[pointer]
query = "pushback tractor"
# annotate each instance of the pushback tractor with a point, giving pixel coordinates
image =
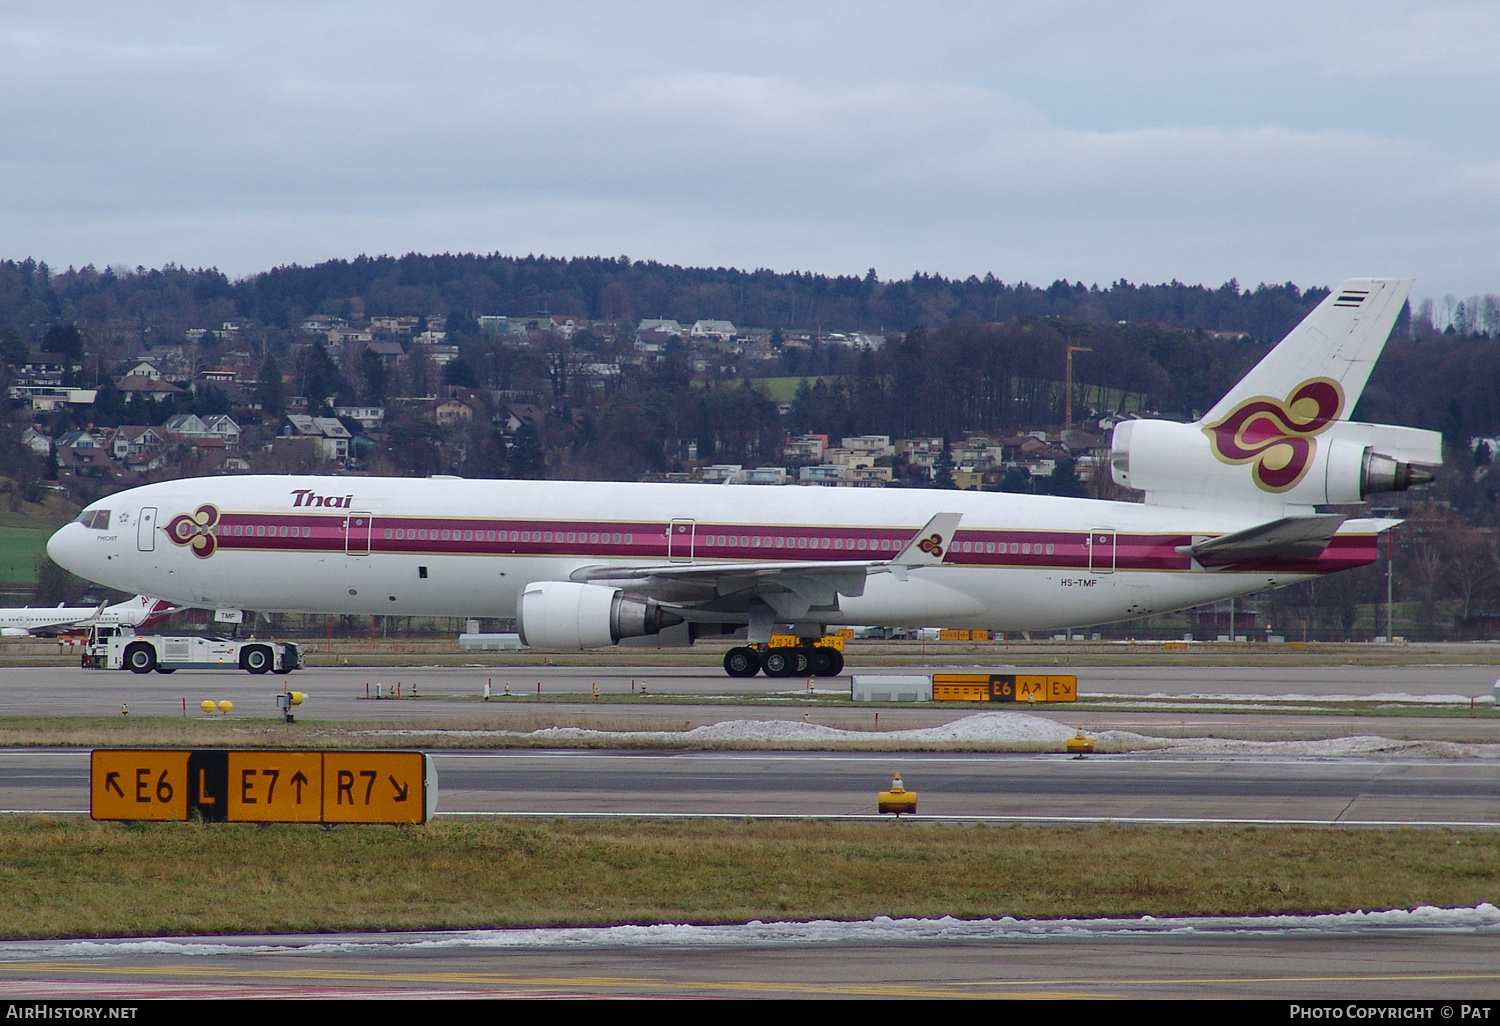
(111, 647)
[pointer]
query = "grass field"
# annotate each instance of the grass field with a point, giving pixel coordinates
(74, 878)
(20, 549)
(784, 390)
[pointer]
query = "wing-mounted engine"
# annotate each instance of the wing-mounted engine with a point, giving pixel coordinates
(564, 614)
(1197, 465)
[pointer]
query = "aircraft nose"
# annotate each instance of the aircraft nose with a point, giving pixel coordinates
(65, 548)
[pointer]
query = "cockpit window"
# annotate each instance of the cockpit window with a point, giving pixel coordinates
(95, 519)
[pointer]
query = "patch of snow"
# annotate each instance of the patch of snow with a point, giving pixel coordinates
(1400, 697)
(882, 930)
(976, 728)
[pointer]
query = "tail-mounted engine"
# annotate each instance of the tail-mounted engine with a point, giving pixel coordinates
(1196, 465)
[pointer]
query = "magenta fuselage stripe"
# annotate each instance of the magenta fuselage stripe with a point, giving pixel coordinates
(1071, 550)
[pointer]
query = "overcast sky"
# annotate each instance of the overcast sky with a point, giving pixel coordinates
(1200, 141)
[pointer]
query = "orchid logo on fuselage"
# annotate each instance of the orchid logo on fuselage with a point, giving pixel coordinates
(1278, 436)
(196, 529)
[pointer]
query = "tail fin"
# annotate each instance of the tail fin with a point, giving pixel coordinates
(1281, 439)
(140, 611)
(1339, 342)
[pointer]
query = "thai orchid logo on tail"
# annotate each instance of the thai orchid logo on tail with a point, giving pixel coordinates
(1278, 437)
(196, 529)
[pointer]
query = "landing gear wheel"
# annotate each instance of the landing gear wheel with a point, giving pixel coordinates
(820, 662)
(827, 662)
(779, 663)
(742, 662)
(800, 662)
(140, 658)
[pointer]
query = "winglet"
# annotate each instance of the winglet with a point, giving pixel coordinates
(930, 544)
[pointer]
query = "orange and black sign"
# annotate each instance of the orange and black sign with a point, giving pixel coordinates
(219, 786)
(1004, 687)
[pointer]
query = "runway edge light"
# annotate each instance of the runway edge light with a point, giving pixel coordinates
(898, 799)
(1079, 745)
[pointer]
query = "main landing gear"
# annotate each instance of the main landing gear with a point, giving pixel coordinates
(784, 661)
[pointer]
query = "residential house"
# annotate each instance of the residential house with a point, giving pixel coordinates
(658, 324)
(824, 474)
(133, 439)
(322, 324)
(517, 415)
(86, 439)
(146, 388)
(46, 398)
(327, 433)
(143, 369)
(442, 355)
(718, 330)
(218, 376)
(451, 410)
(805, 448)
(766, 476)
(390, 353)
(371, 418)
(395, 325)
(187, 425)
(45, 369)
(36, 441)
(869, 445)
(719, 473)
(85, 463)
(223, 427)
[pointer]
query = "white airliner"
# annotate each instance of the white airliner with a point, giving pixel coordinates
(141, 611)
(1231, 507)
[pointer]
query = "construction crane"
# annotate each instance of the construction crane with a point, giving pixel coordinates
(1068, 386)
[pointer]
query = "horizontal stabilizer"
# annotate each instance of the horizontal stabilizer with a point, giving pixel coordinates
(1288, 538)
(931, 543)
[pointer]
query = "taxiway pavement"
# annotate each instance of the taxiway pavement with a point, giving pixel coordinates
(1049, 788)
(1294, 965)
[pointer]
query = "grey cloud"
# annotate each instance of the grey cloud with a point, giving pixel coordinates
(1080, 140)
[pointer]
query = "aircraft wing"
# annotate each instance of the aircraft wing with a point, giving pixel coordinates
(1287, 538)
(791, 589)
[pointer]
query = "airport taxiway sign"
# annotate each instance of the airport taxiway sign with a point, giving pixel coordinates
(219, 785)
(138, 784)
(374, 787)
(1004, 687)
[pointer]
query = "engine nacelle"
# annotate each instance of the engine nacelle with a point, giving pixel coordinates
(563, 614)
(1344, 462)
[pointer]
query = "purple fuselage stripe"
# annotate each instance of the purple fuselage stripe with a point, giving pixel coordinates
(1070, 550)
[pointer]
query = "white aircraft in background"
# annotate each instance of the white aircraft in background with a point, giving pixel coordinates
(1231, 507)
(141, 611)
